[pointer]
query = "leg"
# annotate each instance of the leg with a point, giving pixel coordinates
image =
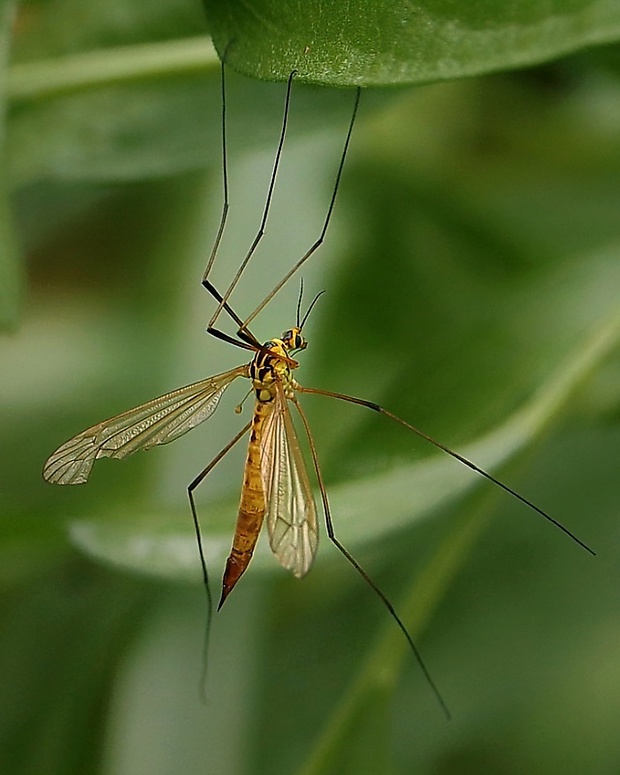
(223, 301)
(190, 493)
(207, 284)
(455, 455)
(317, 244)
(384, 599)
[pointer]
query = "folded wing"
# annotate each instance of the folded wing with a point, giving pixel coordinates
(291, 510)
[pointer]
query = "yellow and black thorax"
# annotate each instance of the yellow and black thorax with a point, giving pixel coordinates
(273, 363)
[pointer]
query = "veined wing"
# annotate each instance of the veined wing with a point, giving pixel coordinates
(159, 421)
(291, 511)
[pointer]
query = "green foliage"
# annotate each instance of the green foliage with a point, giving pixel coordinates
(386, 42)
(10, 275)
(472, 280)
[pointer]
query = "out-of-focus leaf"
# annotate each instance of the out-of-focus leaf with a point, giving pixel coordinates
(70, 628)
(10, 266)
(144, 111)
(402, 495)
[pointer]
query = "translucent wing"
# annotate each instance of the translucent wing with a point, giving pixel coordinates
(291, 511)
(157, 422)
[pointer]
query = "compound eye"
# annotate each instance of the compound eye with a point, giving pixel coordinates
(287, 336)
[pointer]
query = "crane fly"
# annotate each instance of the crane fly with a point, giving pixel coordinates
(276, 485)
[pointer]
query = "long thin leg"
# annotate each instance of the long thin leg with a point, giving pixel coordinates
(203, 563)
(190, 494)
(225, 208)
(222, 303)
(460, 458)
(261, 229)
(345, 552)
(317, 244)
(248, 341)
(225, 203)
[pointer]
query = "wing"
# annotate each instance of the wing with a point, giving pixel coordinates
(291, 511)
(159, 421)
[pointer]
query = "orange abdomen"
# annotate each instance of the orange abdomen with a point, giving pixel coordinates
(251, 508)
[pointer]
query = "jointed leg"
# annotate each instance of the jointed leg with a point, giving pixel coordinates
(345, 552)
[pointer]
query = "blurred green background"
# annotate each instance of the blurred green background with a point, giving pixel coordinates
(472, 282)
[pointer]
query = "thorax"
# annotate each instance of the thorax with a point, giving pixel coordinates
(270, 365)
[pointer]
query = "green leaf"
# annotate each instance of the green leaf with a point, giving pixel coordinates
(381, 42)
(123, 102)
(471, 269)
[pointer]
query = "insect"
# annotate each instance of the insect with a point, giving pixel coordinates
(276, 485)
